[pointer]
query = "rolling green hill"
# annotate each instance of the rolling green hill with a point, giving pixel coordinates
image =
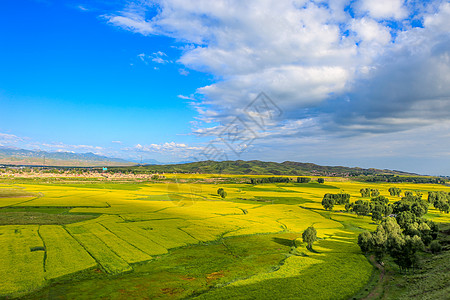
(256, 167)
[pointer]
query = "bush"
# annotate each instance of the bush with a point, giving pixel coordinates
(435, 247)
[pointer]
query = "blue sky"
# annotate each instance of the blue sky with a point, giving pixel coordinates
(358, 83)
(68, 77)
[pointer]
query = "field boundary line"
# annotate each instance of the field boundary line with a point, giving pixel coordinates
(180, 228)
(45, 249)
(119, 239)
(90, 254)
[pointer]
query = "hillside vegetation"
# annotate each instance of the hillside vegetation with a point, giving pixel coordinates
(256, 167)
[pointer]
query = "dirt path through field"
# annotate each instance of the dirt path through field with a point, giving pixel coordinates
(376, 292)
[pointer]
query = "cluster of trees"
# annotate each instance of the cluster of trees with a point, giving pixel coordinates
(401, 237)
(394, 191)
(378, 206)
(330, 200)
(303, 179)
(440, 200)
(283, 180)
(221, 192)
(413, 204)
(368, 192)
(396, 178)
(270, 180)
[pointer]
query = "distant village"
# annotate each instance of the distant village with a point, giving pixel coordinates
(37, 172)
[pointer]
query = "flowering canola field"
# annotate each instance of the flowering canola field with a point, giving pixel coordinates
(135, 223)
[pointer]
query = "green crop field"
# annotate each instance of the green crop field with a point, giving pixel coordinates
(179, 239)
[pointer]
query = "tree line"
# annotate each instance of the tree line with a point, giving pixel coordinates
(283, 180)
(396, 178)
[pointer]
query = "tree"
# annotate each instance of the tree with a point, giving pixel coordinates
(381, 199)
(411, 203)
(365, 241)
(320, 180)
(408, 193)
(435, 247)
(361, 208)
(340, 198)
(403, 250)
(388, 210)
(374, 192)
(348, 207)
(365, 192)
(393, 191)
(309, 236)
(405, 218)
(222, 193)
(440, 200)
(328, 203)
(378, 212)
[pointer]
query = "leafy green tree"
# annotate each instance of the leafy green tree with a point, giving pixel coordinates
(222, 193)
(348, 207)
(413, 204)
(365, 192)
(435, 247)
(361, 207)
(440, 200)
(403, 250)
(394, 191)
(320, 180)
(380, 199)
(309, 236)
(328, 203)
(339, 198)
(405, 218)
(374, 193)
(378, 212)
(365, 241)
(388, 210)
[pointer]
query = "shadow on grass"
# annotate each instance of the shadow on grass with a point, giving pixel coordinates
(283, 241)
(312, 250)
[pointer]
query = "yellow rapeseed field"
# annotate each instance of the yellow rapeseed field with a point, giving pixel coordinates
(135, 223)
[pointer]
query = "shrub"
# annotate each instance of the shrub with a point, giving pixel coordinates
(435, 247)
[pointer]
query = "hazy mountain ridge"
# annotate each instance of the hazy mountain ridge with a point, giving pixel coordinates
(30, 157)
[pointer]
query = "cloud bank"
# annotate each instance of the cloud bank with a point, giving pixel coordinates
(339, 70)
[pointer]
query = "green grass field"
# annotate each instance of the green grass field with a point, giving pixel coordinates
(176, 240)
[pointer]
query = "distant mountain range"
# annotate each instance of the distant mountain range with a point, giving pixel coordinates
(10, 156)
